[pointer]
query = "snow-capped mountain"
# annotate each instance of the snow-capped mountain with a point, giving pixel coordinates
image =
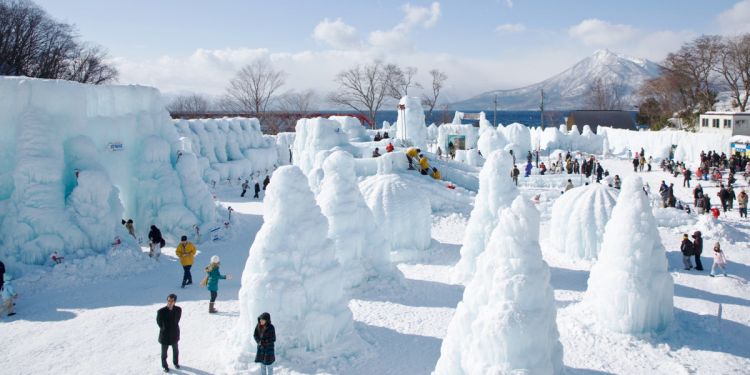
(566, 90)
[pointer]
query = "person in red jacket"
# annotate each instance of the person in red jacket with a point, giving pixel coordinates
(389, 147)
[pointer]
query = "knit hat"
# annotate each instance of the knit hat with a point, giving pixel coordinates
(215, 259)
(184, 238)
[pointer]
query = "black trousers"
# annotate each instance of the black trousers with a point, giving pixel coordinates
(698, 264)
(213, 296)
(243, 192)
(175, 354)
(256, 194)
(187, 278)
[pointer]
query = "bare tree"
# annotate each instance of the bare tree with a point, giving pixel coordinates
(363, 88)
(301, 102)
(253, 87)
(604, 95)
(734, 67)
(693, 67)
(32, 44)
(438, 81)
(403, 79)
(89, 67)
(189, 104)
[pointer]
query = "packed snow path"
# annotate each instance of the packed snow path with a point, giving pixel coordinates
(108, 326)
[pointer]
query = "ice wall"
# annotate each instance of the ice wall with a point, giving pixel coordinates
(630, 288)
(496, 191)
(519, 136)
(352, 128)
(505, 323)
(579, 218)
(76, 159)
(470, 133)
(230, 148)
(315, 135)
(410, 125)
(491, 140)
(658, 143)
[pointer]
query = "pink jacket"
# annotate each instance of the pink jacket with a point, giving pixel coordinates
(719, 258)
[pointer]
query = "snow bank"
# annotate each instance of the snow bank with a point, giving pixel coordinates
(292, 273)
(578, 220)
(505, 323)
(314, 135)
(78, 158)
(496, 191)
(361, 246)
(410, 125)
(629, 288)
(229, 148)
(403, 213)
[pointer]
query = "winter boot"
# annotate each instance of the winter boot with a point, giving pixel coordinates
(211, 309)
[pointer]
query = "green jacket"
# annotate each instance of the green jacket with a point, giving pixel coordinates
(213, 278)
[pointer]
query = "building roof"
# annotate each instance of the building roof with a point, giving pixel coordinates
(613, 119)
(727, 113)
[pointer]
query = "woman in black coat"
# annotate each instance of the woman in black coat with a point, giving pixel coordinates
(265, 337)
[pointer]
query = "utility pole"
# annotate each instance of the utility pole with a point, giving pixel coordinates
(541, 114)
(494, 115)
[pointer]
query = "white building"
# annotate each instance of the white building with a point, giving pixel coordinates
(729, 123)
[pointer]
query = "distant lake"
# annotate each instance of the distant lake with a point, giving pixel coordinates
(528, 118)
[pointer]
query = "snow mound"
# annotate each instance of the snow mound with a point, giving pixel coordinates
(672, 218)
(505, 323)
(292, 273)
(629, 287)
(715, 230)
(403, 213)
(77, 158)
(491, 140)
(578, 220)
(518, 135)
(496, 191)
(361, 247)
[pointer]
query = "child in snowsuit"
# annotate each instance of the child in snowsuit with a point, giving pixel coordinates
(719, 260)
(8, 294)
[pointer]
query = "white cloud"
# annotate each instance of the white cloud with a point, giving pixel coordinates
(510, 28)
(510, 3)
(336, 34)
(595, 32)
(736, 20)
(397, 39)
(421, 16)
(209, 71)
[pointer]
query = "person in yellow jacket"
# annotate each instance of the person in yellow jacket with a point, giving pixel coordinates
(435, 173)
(186, 252)
(412, 153)
(424, 164)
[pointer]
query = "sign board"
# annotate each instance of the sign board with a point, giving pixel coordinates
(215, 233)
(471, 116)
(115, 146)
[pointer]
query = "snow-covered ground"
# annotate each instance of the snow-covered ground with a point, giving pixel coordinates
(107, 324)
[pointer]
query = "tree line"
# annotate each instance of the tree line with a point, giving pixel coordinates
(255, 90)
(33, 44)
(693, 77)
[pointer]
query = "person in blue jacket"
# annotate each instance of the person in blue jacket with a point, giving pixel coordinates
(212, 283)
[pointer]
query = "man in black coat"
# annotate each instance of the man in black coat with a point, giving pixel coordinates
(686, 247)
(168, 319)
(697, 250)
(2, 274)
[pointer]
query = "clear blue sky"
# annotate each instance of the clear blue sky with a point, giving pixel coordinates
(513, 42)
